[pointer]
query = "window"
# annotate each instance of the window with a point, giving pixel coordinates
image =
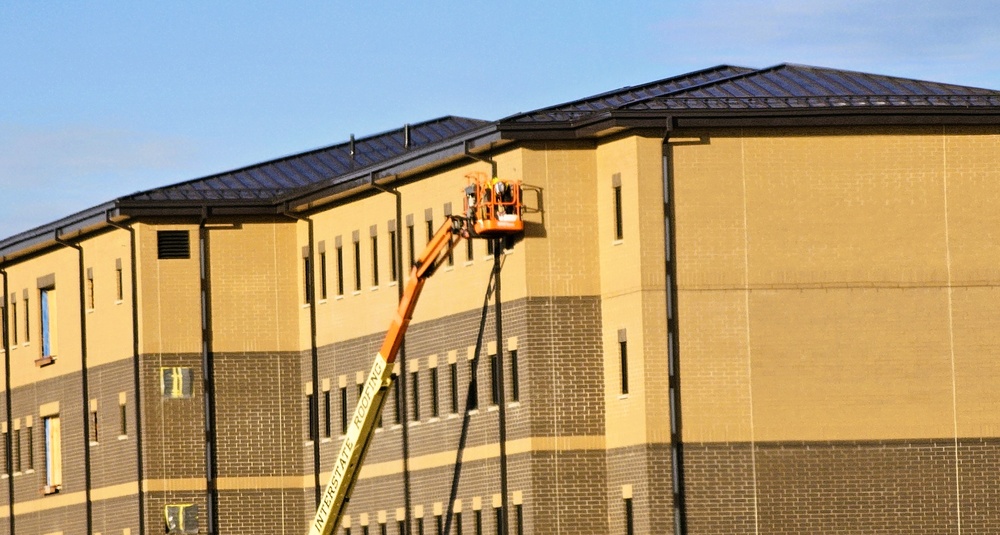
(619, 227)
(515, 389)
(409, 234)
(17, 450)
(30, 435)
(122, 416)
(312, 416)
(393, 253)
(13, 317)
(489, 246)
(435, 410)
(173, 244)
(322, 275)
(498, 513)
(4, 450)
(93, 421)
(401, 527)
(519, 512)
(90, 288)
(494, 381)
(343, 410)
(27, 319)
(326, 414)
(430, 228)
(468, 250)
(120, 290)
(473, 386)
(623, 357)
(629, 524)
(398, 401)
(381, 529)
(307, 277)
(340, 270)
(479, 522)
(420, 526)
(364, 529)
(46, 300)
(374, 258)
(53, 454)
(453, 372)
(415, 388)
(439, 523)
(458, 523)
(357, 263)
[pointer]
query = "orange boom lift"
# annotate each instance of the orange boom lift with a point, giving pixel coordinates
(490, 211)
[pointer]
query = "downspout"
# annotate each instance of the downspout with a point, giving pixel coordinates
(673, 343)
(136, 376)
(314, 351)
(401, 355)
(208, 375)
(8, 396)
(89, 520)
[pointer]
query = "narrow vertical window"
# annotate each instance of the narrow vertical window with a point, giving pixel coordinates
(494, 381)
(473, 387)
(122, 417)
(17, 451)
(340, 270)
(439, 523)
(326, 414)
(381, 529)
(519, 512)
(3, 451)
(13, 318)
(453, 372)
(311, 407)
(458, 523)
(619, 226)
(398, 401)
(307, 279)
(415, 388)
(468, 249)
(90, 288)
(393, 253)
(410, 245)
(515, 388)
(374, 256)
(343, 410)
(30, 435)
(364, 530)
(27, 319)
(489, 247)
(119, 286)
(479, 522)
(93, 422)
(498, 513)
(357, 263)
(347, 531)
(401, 527)
(435, 410)
(420, 526)
(430, 228)
(623, 358)
(322, 275)
(629, 522)
(46, 305)
(53, 454)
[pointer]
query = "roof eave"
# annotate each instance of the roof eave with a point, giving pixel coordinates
(67, 228)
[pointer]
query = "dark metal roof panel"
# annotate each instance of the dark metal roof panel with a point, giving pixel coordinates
(268, 180)
(620, 97)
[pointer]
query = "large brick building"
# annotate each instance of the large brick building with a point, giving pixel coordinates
(745, 301)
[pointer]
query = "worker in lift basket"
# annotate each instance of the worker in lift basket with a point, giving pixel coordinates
(502, 193)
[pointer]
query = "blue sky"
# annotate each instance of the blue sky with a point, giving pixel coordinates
(100, 99)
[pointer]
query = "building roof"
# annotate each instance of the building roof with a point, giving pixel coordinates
(272, 179)
(722, 95)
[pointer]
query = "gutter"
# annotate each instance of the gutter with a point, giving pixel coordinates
(136, 377)
(7, 395)
(85, 386)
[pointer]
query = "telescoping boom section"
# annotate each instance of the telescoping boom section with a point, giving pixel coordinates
(361, 426)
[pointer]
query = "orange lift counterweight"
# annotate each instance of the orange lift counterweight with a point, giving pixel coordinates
(486, 209)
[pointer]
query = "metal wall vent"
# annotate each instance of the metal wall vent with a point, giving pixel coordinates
(173, 244)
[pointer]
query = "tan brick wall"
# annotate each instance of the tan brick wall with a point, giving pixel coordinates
(169, 295)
